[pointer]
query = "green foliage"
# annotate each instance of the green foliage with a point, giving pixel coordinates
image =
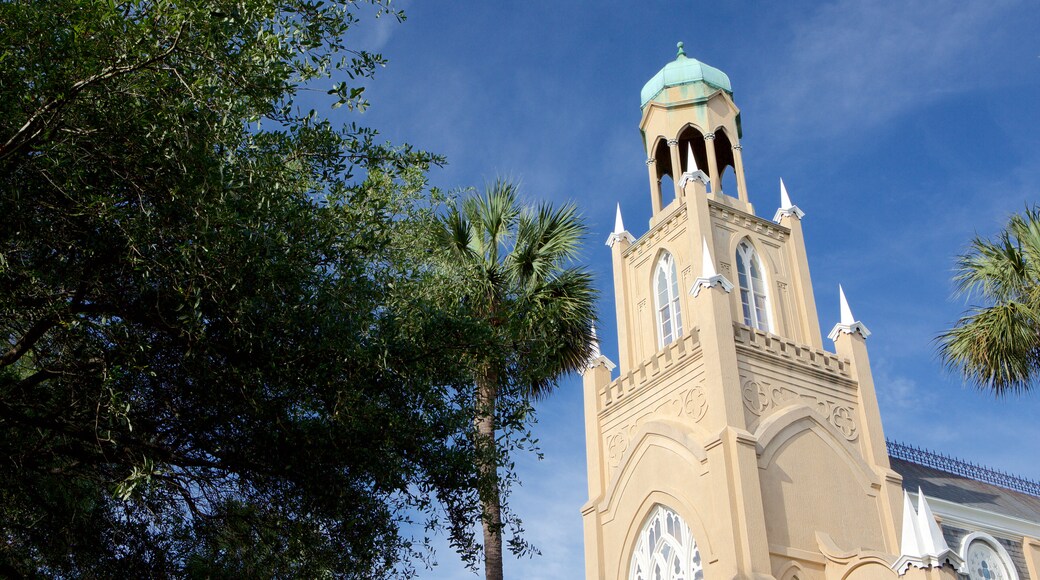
(221, 351)
(532, 314)
(996, 346)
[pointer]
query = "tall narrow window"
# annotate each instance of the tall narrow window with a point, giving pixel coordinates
(666, 286)
(753, 298)
(665, 550)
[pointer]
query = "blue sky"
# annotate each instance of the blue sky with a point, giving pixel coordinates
(901, 129)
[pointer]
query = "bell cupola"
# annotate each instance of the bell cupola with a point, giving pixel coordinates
(688, 119)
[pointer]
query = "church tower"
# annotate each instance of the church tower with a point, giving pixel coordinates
(731, 444)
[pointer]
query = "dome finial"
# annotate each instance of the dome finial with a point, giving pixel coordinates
(681, 51)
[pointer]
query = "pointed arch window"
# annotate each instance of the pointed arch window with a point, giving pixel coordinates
(665, 550)
(666, 290)
(754, 301)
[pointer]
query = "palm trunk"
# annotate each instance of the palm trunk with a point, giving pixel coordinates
(491, 509)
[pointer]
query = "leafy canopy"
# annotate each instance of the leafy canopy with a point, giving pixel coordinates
(220, 352)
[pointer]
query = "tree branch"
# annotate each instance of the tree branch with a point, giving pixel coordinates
(51, 110)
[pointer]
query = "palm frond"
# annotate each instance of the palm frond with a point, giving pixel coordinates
(995, 348)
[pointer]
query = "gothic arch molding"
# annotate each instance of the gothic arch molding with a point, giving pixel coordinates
(775, 431)
(678, 438)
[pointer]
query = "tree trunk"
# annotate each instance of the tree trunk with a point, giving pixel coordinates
(491, 509)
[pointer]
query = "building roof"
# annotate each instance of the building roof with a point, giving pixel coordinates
(940, 484)
(683, 71)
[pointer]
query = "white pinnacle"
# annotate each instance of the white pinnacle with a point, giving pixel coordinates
(846, 313)
(932, 537)
(707, 268)
(619, 226)
(785, 199)
(595, 344)
(691, 161)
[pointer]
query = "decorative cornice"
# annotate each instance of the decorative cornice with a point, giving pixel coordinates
(600, 361)
(711, 282)
(794, 210)
(848, 329)
(747, 220)
(615, 237)
(693, 176)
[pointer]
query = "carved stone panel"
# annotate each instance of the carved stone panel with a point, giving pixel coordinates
(762, 398)
(690, 403)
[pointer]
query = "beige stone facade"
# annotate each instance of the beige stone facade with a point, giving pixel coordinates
(728, 419)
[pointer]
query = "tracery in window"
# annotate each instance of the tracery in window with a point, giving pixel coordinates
(665, 550)
(666, 289)
(754, 301)
(985, 559)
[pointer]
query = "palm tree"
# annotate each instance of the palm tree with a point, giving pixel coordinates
(997, 346)
(515, 267)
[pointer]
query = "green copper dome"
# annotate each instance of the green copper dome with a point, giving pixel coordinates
(683, 71)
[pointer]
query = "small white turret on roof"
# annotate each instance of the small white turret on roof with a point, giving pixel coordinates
(848, 323)
(619, 232)
(786, 207)
(692, 173)
(709, 277)
(923, 544)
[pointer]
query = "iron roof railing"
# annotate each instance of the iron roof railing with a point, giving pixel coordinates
(962, 468)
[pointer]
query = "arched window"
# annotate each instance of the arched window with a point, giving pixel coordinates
(985, 558)
(666, 289)
(665, 550)
(753, 298)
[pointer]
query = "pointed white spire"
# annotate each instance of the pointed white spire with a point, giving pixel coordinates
(910, 544)
(846, 312)
(786, 207)
(848, 324)
(922, 544)
(692, 173)
(595, 344)
(691, 161)
(619, 232)
(709, 278)
(596, 358)
(708, 265)
(931, 534)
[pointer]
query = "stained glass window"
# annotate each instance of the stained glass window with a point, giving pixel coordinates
(666, 550)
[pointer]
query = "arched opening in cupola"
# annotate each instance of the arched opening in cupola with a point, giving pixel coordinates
(690, 136)
(663, 157)
(724, 159)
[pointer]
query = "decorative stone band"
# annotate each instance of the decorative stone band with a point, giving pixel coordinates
(673, 142)
(617, 236)
(711, 282)
(600, 361)
(693, 176)
(788, 211)
(651, 161)
(737, 147)
(848, 329)
(709, 136)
